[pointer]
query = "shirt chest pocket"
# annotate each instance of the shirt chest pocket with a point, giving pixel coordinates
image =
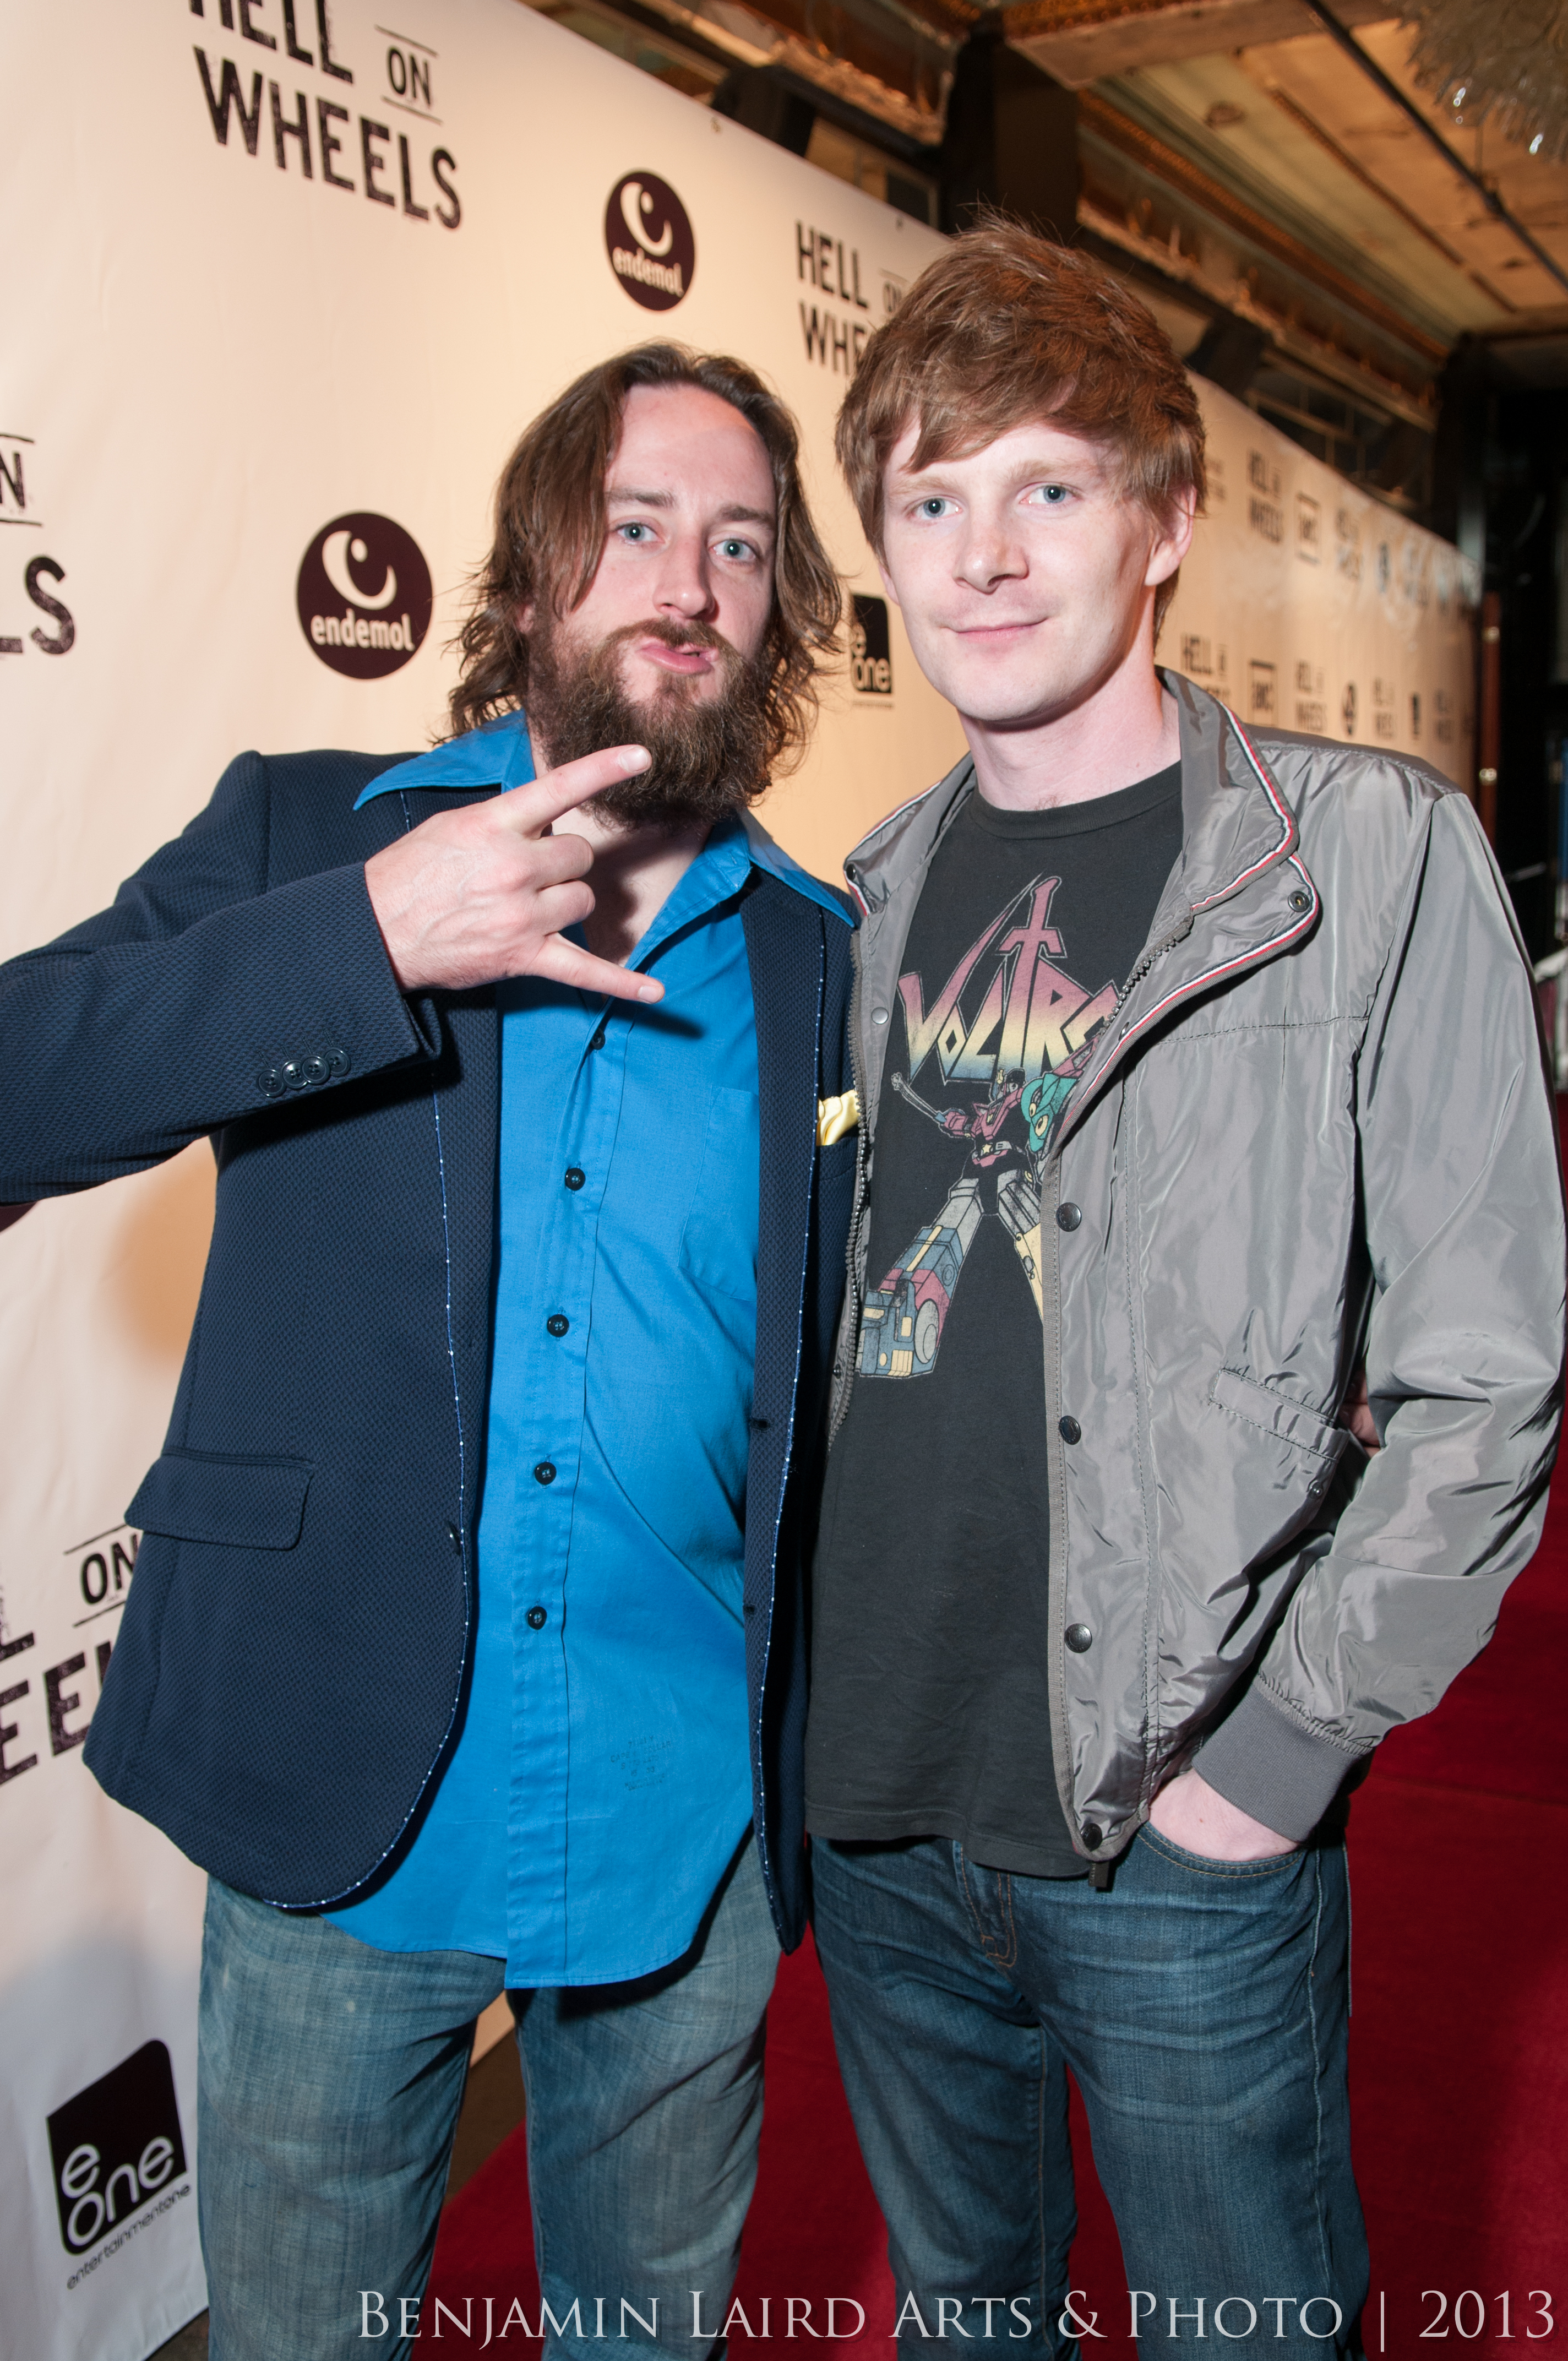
(719, 1244)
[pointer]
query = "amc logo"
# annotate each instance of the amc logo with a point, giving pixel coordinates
(115, 2145)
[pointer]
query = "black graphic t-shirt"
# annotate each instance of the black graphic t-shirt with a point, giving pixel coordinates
(930, 1710)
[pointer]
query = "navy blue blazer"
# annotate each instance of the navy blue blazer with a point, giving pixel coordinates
(291, 1660)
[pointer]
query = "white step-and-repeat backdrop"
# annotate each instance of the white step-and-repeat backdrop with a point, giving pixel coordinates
(282, 286)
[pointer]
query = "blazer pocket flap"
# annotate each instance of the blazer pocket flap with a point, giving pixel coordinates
(1275, 1413)
(203, 1497)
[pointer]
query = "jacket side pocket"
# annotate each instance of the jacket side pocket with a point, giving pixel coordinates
(1275, 1414)
(238, 1504)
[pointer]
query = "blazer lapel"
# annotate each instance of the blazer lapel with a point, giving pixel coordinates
(465, 1140)
(784, 949)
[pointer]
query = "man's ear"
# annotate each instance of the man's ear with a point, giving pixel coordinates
(525, 615)
(1172, 540)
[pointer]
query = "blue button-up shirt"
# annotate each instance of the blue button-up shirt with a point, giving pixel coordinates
(601, 1780)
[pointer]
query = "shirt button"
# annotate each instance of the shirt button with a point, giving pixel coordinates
(1070, 1430)
(545, 1473)
(1079, 1638)
(597, 1042)
(1069, 1216)
(537, 1618)
(557, 1323)
(575, 1176)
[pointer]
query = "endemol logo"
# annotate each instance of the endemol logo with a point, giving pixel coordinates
(648, 238)
(115, 2145)
(364, 595)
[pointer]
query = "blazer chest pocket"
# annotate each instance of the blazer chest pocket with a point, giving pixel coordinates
(235, 1502)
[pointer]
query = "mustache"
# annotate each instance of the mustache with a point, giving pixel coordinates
(693, 634)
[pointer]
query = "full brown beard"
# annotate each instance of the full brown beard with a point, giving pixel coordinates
(710, 757)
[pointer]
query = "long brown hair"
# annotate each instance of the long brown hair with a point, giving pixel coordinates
(550, 529)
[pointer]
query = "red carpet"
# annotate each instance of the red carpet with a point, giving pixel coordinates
(1459, 2052)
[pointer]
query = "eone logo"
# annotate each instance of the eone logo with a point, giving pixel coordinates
(364, 595)
(870, 658)
(115, 2145)
(648, 238)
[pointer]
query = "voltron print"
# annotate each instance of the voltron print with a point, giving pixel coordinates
(1030, 1040)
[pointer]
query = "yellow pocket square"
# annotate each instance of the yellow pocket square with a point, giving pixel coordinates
(837, 1117)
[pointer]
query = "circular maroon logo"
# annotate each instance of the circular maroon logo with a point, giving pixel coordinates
(648, 236)
(364, 595)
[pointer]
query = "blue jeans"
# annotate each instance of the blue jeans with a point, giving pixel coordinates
(330, 2082)
(1202, 2006)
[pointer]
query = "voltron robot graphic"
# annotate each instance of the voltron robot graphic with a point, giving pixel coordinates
(1045, 1026)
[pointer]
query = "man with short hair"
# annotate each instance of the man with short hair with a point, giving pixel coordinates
(1205, 1120)
(465, 1648)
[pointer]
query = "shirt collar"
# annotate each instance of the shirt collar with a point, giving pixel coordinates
(499, 754)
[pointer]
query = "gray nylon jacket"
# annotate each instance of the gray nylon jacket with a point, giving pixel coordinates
(1318, 1125)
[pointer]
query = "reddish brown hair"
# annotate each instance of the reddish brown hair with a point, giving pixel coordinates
(1006, 327)
(550, 529)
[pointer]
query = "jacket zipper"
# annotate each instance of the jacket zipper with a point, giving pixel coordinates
(1156, 951)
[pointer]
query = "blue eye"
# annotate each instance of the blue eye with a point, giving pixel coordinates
(934, 507)
(735, 549)
(634, 532)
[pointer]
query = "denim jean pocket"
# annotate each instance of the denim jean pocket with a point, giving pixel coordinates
(1204, 1864)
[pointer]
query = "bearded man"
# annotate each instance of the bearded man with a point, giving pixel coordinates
(465, 1651)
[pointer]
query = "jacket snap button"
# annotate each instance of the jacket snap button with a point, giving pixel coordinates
(545, 1473)
(557, 1323)
(879, 1016)
(1069, 1216)
(1079, 1638)
(1070, 1430)
(1093, 1836)
(575, 1176)
(1300, 901)
(537, 1618)
(1317, 1488)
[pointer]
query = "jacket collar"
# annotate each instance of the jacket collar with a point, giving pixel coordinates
(1238, 895)
(499, 754)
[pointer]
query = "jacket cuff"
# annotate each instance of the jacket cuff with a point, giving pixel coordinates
(1273, 1767)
